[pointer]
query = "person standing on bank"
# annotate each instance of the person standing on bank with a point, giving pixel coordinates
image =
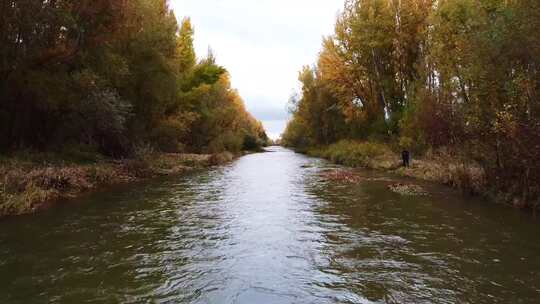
(406, 155)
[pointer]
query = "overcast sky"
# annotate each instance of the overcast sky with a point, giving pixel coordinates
(263, 44)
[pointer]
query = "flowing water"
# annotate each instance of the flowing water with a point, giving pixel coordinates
(269, 229)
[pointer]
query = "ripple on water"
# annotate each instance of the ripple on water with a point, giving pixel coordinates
(268, 229)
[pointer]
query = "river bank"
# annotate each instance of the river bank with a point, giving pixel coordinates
(439, 167)
(31, 183)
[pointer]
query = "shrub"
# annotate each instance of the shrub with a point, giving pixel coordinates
(137, 168)
(227, 141)
(57, 178)
(169, 132)
(405, 142)
(104, 115)
(251, 143)
(80, 153)
(220, 158)
(99, 174)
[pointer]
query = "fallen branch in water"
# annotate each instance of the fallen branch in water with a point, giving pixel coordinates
(341, 175)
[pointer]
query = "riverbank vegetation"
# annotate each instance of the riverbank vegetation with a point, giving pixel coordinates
(31, 181)
(455, 82)
(95, 81)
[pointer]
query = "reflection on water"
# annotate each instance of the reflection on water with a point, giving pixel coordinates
(267, 229)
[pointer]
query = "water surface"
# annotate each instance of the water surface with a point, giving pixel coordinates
(268, 229)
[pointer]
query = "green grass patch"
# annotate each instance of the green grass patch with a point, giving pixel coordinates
(358, 154)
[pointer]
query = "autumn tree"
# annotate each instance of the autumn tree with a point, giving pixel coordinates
(455, 74)
(103, 75)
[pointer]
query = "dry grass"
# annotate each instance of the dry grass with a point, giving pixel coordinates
(27, 186)
(438, 167)
(26, 189)
(359, 154)
(444, 169)
(221, 158)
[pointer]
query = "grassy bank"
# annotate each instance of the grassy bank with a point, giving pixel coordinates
(440, 167)
(31, 182)
(358, 154)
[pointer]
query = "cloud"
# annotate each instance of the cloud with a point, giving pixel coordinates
(264, 109)
(262, 43)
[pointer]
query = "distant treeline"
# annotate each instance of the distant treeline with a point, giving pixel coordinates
(109, 75)
(456, 75)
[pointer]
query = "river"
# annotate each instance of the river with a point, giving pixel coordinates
(268, 228)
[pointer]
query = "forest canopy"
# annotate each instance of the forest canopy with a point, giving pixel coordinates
(458, 75)
(109, 75)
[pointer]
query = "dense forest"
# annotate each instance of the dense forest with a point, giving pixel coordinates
(461, 76)
(109, 76)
